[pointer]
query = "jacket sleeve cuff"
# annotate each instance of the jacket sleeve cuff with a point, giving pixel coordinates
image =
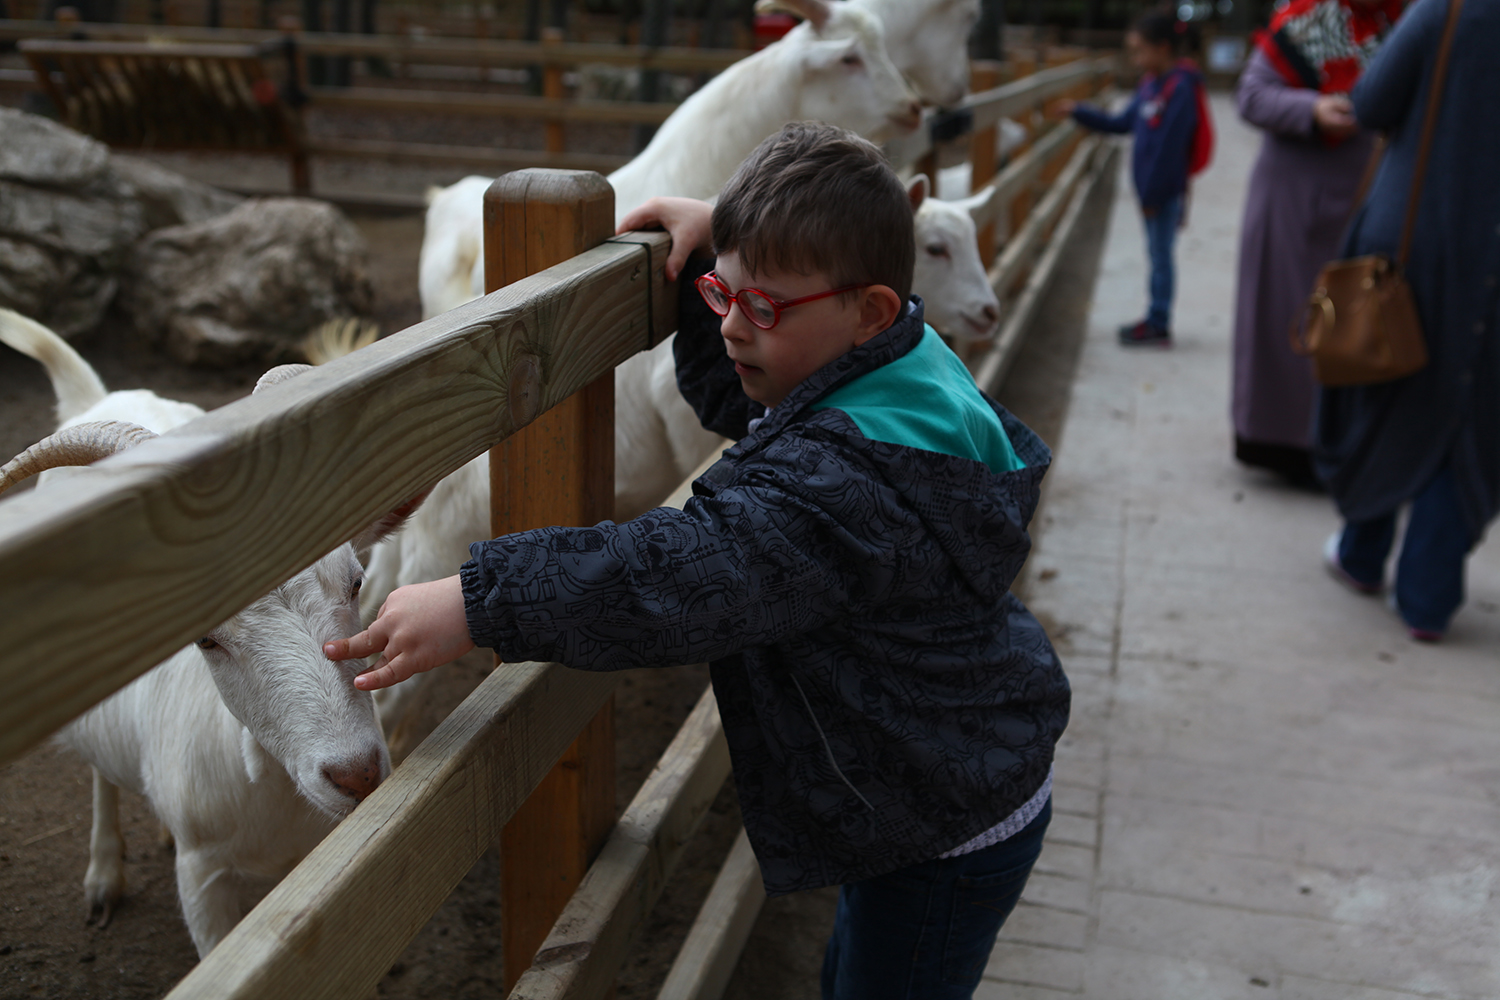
(491, 622)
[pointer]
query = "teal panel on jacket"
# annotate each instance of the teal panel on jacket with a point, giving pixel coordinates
(927, 399)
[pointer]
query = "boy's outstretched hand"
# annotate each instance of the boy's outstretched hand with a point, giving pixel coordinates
(688, 220)
(419, 627)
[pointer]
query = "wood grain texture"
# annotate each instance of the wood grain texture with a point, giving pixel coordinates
(982, 158)
(585, 949)
(335, 924)
(105, 578)
(558, 470)
(717, 938)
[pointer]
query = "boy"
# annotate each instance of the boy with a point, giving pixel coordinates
(890, 708)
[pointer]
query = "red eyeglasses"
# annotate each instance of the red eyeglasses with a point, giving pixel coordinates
(758, 307)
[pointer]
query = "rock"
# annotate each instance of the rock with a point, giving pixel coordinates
(249, 284)
(36, 150)
(70, 215)
(167, 198)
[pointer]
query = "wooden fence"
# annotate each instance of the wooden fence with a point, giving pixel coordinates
(163, 542)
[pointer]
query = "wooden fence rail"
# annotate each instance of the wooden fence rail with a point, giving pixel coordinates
(431, 51)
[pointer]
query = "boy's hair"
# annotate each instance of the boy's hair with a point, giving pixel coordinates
(816, 198)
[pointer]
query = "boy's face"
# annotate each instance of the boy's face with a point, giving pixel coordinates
(1146, 57)
(771, 363)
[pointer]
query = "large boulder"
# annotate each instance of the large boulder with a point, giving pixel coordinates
(70, 214)
(249, 284)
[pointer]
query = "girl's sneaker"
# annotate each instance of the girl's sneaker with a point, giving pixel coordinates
(1338, 572)
(1143, 334)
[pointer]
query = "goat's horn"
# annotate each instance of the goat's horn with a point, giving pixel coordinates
(79, 445)
(280, 374)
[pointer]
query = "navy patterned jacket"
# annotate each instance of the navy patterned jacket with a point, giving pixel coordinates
(884, 696)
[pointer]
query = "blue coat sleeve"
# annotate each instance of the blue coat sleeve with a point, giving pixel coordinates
(1172, 140)
(1384, 94)
(746, 567)
(1100, 120)
(705, 375)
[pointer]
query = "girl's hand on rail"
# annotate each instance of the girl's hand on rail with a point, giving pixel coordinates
(687, 220)
(419, 627)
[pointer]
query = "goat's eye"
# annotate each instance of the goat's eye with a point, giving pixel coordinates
(852, 59)
(354, 592)
(937, 250)
(207, 643)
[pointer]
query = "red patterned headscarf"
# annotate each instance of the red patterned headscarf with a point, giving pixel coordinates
(1325, 44)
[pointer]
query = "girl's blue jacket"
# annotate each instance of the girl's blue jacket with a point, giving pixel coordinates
(1163, 115)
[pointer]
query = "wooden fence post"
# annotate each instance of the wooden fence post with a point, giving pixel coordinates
(558, 470)
(552, 87)
(982, 159)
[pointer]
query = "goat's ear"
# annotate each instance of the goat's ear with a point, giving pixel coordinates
(815, 12)
(917, 189)
(389, 524)
(977, 202)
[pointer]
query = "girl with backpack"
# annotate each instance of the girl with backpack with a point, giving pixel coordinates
(1173, 141)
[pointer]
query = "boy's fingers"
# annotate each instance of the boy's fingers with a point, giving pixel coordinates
(383, 674)
(356, 647)
(677, 259)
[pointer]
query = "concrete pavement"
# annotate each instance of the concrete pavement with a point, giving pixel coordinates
(1267, 790)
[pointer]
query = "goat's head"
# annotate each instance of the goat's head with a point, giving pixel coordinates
(848, 78)
(928, 40)
(296, 708)
(949, 274)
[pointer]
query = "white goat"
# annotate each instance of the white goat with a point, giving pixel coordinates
(249, 744)
(833, 67)
(928, 40)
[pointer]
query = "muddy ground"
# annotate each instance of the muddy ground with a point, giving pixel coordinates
(45, 948)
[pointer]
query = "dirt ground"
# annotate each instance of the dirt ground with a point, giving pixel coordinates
(45, 948)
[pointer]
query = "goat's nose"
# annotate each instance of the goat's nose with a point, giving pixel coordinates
(991, 313)
(914, 112)
(358, 779)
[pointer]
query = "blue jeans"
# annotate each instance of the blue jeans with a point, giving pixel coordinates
(1430, 572)
(1161, 236)
(926, 932)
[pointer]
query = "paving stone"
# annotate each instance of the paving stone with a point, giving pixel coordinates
(1065, 828)
(1030, 923)
(1283, 796)
(1123, 974)
(1066, 859)
(1074, 799)
(992, 989)
(1057, 968)
(1058, 891)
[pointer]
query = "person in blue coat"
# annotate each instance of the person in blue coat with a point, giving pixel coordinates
(1431, 439)
(1169, 121)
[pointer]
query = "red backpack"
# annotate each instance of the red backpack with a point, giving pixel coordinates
(1202, 149)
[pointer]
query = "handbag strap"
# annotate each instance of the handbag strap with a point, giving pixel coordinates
(1434, 103)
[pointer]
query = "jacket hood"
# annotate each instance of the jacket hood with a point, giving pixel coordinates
(959, 499)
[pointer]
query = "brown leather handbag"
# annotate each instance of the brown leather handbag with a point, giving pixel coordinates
(1360, 326)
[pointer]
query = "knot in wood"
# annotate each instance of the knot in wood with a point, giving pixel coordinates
(525, 394)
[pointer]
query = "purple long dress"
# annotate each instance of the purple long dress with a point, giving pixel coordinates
(1301, 193)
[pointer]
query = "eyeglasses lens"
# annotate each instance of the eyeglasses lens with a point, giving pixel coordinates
(758, 308)
(713, 295)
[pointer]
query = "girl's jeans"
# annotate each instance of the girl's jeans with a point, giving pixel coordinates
(1161, 235)
(1430, 572)
(926, 932)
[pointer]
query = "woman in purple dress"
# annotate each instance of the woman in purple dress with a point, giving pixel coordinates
(1301, 195)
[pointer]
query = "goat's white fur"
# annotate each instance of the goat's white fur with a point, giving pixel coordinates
(239, 749)
(928, 40)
